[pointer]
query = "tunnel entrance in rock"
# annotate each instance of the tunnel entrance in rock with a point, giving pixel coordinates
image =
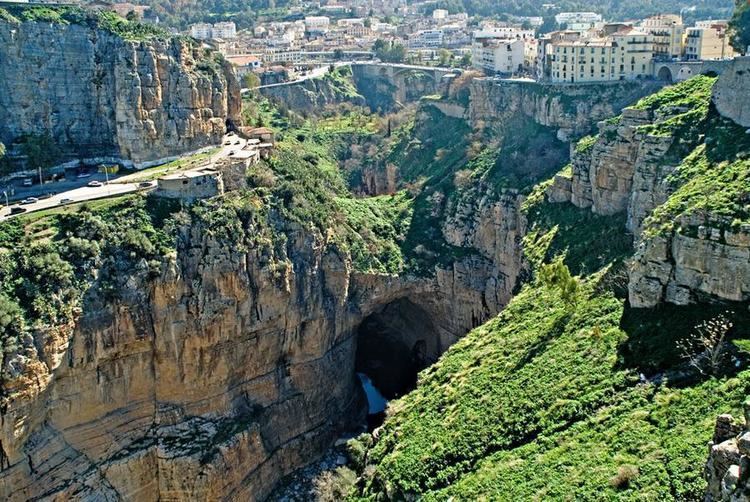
(393, 345)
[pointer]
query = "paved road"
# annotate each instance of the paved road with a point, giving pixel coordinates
(79, 195)
(123, 185)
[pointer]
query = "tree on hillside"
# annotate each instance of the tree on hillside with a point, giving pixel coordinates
(41, 151)
(391, 52)
(250, 80)
(740, 25)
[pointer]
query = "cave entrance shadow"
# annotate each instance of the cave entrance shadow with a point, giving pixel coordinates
(394, 344)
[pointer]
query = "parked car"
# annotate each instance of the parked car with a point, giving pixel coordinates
(95, 184)
(231, 153)
(227, 143)
(29, 200)
(237, 142)
(17, 210)
(145, 184)
(66, 201)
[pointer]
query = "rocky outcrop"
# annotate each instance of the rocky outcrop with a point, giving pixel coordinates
(622, 169)
(571, 109)
(728, 468)
(232, 368)
(494, 227)
(700, 260)
(731, 91)
(98, 95)
(313, 94)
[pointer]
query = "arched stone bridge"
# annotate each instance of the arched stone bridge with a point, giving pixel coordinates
(677, 71)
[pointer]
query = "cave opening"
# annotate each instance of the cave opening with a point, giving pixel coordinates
(393, 345)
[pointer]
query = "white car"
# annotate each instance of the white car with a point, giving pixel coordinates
(29, 200)
(95, 184)
(66, 201)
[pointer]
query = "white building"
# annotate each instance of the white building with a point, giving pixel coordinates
(439, 14)
(498, 56)
(201, 31)
(317, 24)
(503, 33)
(578, 19)
(224, 30)
(426, 39)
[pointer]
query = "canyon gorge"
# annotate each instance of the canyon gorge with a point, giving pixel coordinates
(205, 351)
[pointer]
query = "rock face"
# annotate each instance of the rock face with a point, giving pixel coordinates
(623, 170)
(212, 380)
(728, 468)
(627, 169)
(731, 91)
(98, 95)
(571, 109)
(311, 95)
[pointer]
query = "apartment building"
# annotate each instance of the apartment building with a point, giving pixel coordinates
(225, 30)
(317, 24)
(668, 31)
(205, 31)
(201, 31)
(626, 55)
(426, 39)
(502, 56)
(578, 20)
(708, 40)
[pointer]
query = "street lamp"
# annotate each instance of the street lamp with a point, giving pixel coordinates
(7, 204)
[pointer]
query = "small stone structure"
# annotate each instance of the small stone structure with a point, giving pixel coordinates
(191, 185)
(728, 468)
(234, 167)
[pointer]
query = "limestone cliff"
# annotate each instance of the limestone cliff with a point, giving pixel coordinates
(315, 94)
(231, 368)
(99, 95)
(570, 109)
(672, 164)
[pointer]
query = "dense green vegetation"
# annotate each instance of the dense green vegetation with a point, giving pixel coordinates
(47, 260)
(740, 25)
(68, 14)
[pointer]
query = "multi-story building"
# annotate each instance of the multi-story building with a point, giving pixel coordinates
(426, 39)
(439, 14)
(201, 31)
(498, 55)
(668, 32)
(708, 41)
(225, 30)
(503, 32)
(626, 55)
(578, 20)
(317, 24)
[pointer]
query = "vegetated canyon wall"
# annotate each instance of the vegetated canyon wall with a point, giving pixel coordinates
(232, 368)
(99, 96)
(682, 256)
